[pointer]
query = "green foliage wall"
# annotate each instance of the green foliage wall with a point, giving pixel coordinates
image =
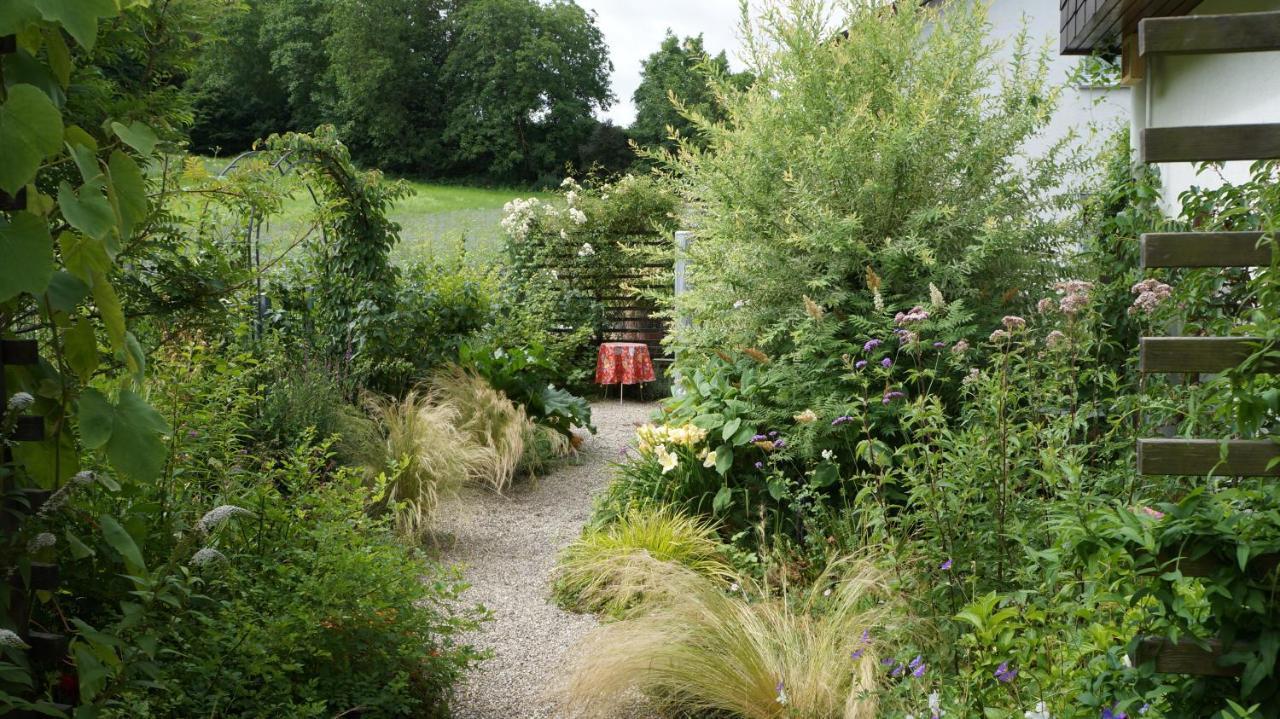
(499, 89)
(871, 171)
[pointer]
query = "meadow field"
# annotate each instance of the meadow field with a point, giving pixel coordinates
(436, 220)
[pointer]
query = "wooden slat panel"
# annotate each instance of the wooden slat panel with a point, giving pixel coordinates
(27, 501)
(13, 203)
(19, 352)
(1184, 657)
(47, 648)
(1200, 457)
(1204, 249)
(1198, 354)
(28, 429)
(1208, 565)
(43, 576)
(1240, 32)
(1211, 143)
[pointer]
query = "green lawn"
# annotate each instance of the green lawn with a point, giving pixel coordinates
(435, 220)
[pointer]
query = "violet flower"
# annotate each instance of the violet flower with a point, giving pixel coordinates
(1004, 674)
(860, 364)
(886, 363)
(870, 345)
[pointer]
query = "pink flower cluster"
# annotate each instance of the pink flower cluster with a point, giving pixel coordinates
(1074, 297)
(1055, 339)
(1150, 295)
(917, 314)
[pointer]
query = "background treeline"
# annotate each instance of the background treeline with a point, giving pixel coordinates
(494, 90)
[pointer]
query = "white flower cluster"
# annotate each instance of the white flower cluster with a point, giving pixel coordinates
(206, 556)
(42, 540)
(20, 401)
(216, 516)
(578, 216)
(10, 639)
(518, 216)
(60, 497)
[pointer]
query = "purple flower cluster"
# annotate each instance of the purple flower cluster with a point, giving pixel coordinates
(860, 364)
(886, 363)
(918, 667)
(842, 419)
(891, 396)
(871, 345)
(1004, 674)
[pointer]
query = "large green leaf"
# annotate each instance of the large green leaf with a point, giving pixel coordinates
(30, 130)
(16, 16)
(120, 541)
(80, 345)
(79, 17)
(66, 291)
(26, 251)
(109, 307)
(88, 210)
(131, 431)
(128, 191)
(84, 256)
(138, 136)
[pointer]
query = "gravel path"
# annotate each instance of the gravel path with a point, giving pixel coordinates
(507, 546)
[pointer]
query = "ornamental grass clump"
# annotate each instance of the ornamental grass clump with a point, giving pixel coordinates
(417, 451)
(598, 572)
(488, 418)
(700, 646)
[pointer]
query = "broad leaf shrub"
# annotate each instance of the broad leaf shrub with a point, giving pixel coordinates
(871, 166)
(1032, 557)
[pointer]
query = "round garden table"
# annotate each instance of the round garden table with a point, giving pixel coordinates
(623, 363)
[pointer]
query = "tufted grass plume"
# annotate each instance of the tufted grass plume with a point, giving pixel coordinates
(699, 647)
(605, 570)
(488, 418)
(415, 448)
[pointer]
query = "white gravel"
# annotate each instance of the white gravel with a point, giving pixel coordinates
(507, 546)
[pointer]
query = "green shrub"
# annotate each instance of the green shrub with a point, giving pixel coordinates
(527, 376)
(871, 168)
(306, 608)
(594, 573)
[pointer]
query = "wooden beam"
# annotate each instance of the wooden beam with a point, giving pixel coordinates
(28, 429)
(43, 576)
(1184, 657)
(1202, 457)
(1197, 34)
(1199, 354)
(1204, 249)
(47, 648)
(13, 203)
(1208, 565)
(1211, 143)
(19, 352)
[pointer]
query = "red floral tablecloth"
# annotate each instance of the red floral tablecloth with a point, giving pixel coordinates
(624, 363)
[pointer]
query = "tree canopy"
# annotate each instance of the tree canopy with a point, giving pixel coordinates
(673, 83)
(496, 89)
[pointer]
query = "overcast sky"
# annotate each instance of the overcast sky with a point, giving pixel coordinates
(634, 29)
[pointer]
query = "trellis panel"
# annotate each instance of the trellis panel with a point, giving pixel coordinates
(1184, 657)
(1201, 457)
(1204, 249)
